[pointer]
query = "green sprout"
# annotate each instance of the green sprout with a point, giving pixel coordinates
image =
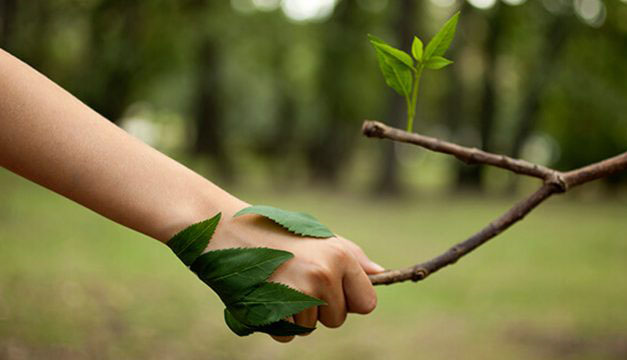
(400, 71)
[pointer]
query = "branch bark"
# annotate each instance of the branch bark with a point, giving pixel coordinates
(554, 182)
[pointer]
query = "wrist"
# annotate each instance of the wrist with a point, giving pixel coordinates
(205, 202)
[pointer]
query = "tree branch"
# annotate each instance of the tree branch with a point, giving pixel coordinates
(554, 182)
(465, 154)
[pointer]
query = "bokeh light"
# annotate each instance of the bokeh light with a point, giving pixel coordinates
(514, 2)
(307, 10)
(482, 4)
(592, 12)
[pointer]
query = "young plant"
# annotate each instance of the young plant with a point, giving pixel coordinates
(400, 71)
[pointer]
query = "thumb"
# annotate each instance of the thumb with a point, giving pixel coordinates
(369, 266)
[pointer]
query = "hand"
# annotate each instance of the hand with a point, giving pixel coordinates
(334, 269)
(50, 137)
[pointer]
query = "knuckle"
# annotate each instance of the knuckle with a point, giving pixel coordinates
(336, 321)
(321, 274)
(356, 247)
(338, 251)
(359, 251)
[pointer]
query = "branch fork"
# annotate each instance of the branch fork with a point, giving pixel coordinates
(554, 182)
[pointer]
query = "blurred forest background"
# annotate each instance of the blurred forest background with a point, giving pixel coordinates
(285, 85)
(266, 98)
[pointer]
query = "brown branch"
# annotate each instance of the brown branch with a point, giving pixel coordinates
(554, 182)
(465, 154)
(595, 171)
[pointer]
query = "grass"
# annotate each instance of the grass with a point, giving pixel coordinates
(76, 286)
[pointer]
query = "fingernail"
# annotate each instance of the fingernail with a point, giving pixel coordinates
(377, 267)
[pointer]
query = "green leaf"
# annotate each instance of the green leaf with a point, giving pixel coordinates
(279, 328)
(237, 326)
(193, 240)
(416, 49)
(398, 54)
(232, 273)
(396, 66)
(374, 39)
(396, 74)
(271, 302)
(442, 40)
(239, 276)
(296, 222)
(437, 62)
(284, 328)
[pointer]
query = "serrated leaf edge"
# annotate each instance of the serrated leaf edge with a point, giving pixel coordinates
(318, 302)
(212, 223)
(322, 228)
(288, 255)
(431, 46)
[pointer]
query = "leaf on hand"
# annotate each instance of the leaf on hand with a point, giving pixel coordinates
(442, 40)
(417, 49)
(437, 62)
(269, 303)
(239, 275)
(189, 243)
(296, 222)
(237, 326)
(396, 65)
(284, 328)
(233, 272)
(279, 328)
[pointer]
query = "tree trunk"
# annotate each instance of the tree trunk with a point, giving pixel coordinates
(208, 111)
(549, 55)
(469, 178)
(329, 146)
(555, 37)
(117, 58)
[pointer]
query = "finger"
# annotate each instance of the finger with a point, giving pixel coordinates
(307, 318)
(284, 339)
(358, 290)
(369, 266)
(333, 314)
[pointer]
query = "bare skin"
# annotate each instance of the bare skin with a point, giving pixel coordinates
(51, 138)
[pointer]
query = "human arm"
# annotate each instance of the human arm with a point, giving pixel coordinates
(51, 138)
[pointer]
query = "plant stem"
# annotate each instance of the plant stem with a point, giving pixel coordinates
(411, 101)
(410, 112)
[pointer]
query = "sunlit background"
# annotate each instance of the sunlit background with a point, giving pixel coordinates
(266, 98)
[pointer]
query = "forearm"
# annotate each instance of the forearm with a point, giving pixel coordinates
(51, 138)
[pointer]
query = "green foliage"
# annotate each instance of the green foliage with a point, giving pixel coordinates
(396, 66)
(279, 328)
(297, 222)
(193, 240)
(399, 70)
(437, 62)
(417, 49)
(232, 272)
(270, 302)
(443, 39)
(239, 276)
